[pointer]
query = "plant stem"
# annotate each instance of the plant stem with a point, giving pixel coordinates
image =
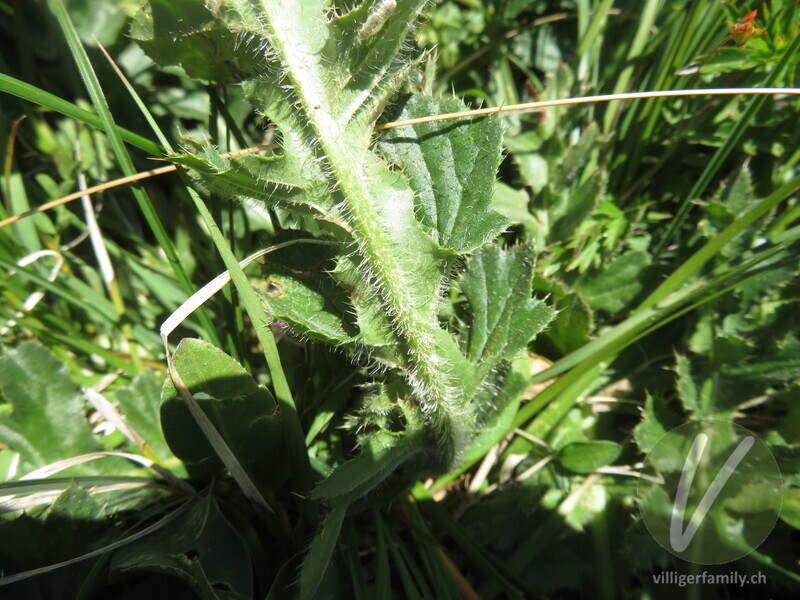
(373, 221)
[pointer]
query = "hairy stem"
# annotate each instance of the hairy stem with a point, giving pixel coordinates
(374, 211)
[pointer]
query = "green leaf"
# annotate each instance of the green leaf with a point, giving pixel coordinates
(591, 505)
(576, 157)
(374, 324)
(513, 205)
(658, 420)
(727, 60)
(790, 507)
(98, 19)
(451, 167)
(75, 504)
(370, 47)
(755, 497)
(688, 391)
(383, 453)
(587, 457)
(201, 547)
(497, 403)
(298, 290)
(573, 323)
(320, 552)
(782, 366)
(527, 152)
(503, 315)
(139, 404)
(71, 526)
(733, 199)
(186, 33)
(290, 180)
(789, 427)
(568, 209)
(244, 413)
(47, 422)
(617, 285)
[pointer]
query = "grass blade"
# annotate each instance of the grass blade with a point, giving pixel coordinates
(115, 140)
(38, 96)
(320, 553)
(724, 151)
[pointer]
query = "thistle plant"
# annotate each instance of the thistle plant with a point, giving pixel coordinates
(410, 213)
(405, 275)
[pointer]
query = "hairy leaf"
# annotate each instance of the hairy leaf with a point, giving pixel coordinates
(186, 33)
(451, 166)
(504, 316)
(320, 552)
(301, 294)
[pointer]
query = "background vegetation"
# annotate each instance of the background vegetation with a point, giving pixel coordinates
(666, 233)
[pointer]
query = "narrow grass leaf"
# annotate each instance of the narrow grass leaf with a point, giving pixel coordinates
(40, 97)
(320, 552)
(738, 130)
(115, 140)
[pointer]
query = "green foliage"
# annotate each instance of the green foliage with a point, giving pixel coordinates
(43, 420)
(519, 345)
(139, 405)
(587, 457)
(245, 414)
(406, 229)
(200, 547)
(451, 168)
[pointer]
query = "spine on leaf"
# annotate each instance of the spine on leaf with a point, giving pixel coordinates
(322, 78)
(402, 262)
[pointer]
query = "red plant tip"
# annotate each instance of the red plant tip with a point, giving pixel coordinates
(749, 17)
(745, 29)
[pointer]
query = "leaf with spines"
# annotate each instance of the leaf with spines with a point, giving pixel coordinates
(368, 52)
(325, 77)
(504, 317)
(265, 179)
(186, 33)
(374, 324)
(451, 166)
(311, 306)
